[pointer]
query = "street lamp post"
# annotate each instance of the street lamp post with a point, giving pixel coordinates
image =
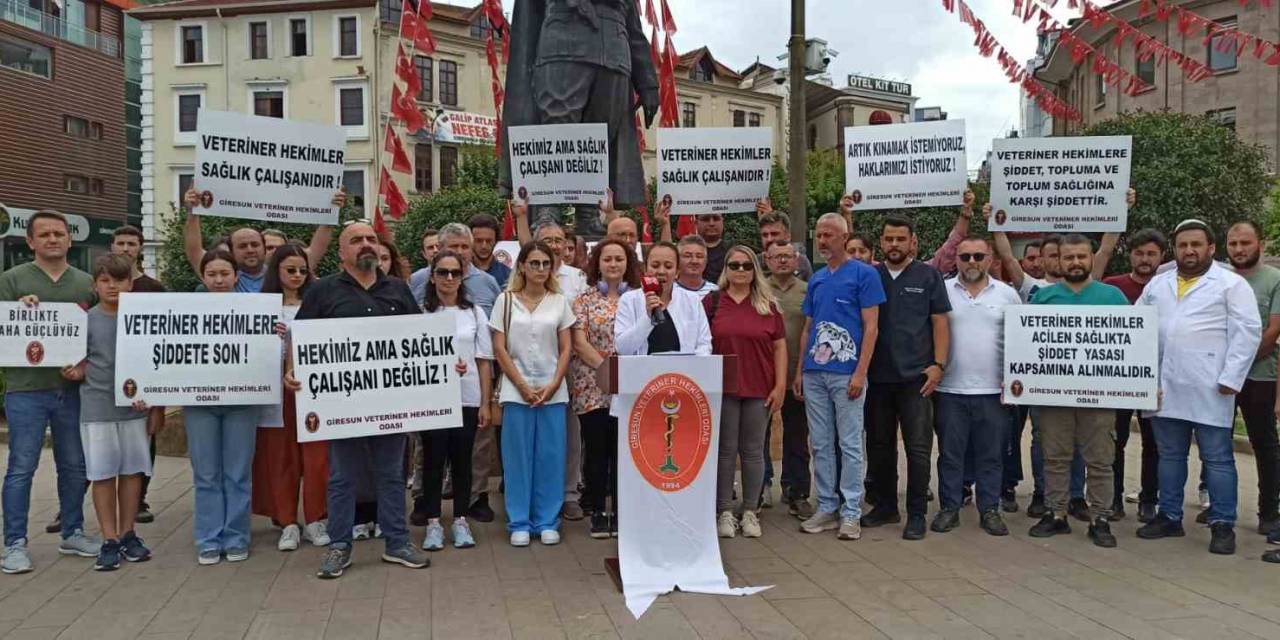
(796, 147)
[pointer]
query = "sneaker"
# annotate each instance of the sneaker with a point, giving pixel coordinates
(766, 497)
(408, 555)
(108, 556)
(335, 562)
(726, 524)
(290, 537)
(1274, 538)
(1223, 541)
(1203, 516)
(519, 538)
(78, 544)
(1272, 556)
(550, 537)
(480, 511)
(1009, 501)
(915, 527)
(1162, 526)
(1131, 497)
(317, 532)
(144, 515)
(1037, 508)
(434, 540)
(821, 521)
(600, 525)
(800, 508)
(1204, 498)
(209, 557)
(376, 528)
(1079, 509)
(945, 521)
(361, 532)
(879, 517)
(572, 511)
(850, 529)
(461, 532)
(55, 526)
(132, 548)
(750, 525)
(237, 554)
(16, 559)
(1146, 512)
(1117, 510)
(1049, 526)
(1100, 534)
(993, 524)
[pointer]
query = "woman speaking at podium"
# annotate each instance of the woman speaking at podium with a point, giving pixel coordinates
(659, 317)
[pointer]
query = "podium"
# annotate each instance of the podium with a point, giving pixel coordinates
(607, 380)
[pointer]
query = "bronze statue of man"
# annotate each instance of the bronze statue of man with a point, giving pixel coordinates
(574, 61)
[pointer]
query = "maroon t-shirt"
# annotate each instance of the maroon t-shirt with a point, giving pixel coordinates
(1127, 285)
(738, 329)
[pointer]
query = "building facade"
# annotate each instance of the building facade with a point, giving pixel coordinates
(1242, 92)
(62, 121)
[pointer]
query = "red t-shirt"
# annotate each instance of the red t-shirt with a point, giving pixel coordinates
(738, 329)
(1127, 285)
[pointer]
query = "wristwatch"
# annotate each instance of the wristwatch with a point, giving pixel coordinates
(939, 365)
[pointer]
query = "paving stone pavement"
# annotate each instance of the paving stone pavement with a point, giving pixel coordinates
(964, 584)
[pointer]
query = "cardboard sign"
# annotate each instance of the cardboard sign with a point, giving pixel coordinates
(1060, 184)
(50, 334)
(198, 349)
(267, 168)
(559, 163)
(724, 170)
(373, 376)
(919, 164)
(1089, 357)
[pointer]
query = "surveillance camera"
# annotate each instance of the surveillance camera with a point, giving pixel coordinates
(826, 60)
(779, 77)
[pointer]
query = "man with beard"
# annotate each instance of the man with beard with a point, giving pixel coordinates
(1209, 335)
(1146, 250)
(1257, 399)
(910, 359)
(711, 230)
(484, 237)
(1066, 430)
(362, 290)
(970, 415)
(1031, 260)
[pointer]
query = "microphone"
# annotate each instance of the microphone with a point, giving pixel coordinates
(650, 284)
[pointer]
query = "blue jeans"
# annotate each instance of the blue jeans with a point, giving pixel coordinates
(220, 441)
(833, 416)
(1173, 440)
(533, 453)
(349, 459)
(28, 412)
(1037, 461)
(971, 426)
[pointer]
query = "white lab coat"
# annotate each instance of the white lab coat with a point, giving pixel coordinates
(631, 327)
(1208, 338)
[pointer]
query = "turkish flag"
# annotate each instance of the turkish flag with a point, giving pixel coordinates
(686, 227)
(396, 204)
(424, 10)
(408, 21)
(668, 23)
(407, 73)
(405, 107)
(508, 224)
(422, 40)
(399, 159)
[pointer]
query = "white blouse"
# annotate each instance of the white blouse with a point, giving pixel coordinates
(272, 415)
(533, 342)
(472, 342)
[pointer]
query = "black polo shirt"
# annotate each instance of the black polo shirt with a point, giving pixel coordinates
(904, 348)
(715, 261)
(340, 296)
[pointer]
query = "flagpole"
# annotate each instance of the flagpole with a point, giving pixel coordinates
(796, 147)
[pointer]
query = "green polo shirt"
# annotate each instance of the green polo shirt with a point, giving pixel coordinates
(28, 279)
(1265, 282)
(791, 303)
(1094, 293)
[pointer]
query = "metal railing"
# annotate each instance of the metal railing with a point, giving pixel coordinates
(20, 13)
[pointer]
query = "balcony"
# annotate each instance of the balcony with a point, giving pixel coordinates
(20, 13)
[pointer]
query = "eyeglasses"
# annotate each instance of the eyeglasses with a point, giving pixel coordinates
(448, 274)
(538, 265)
(739, 266)
(971, 257)
(553, 242)
(297, 271)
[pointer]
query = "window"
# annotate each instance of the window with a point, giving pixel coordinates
(422, 168)
(1146, 70)
(73, 126)
(1099, 90)
(739, 118)
(188, 107)
(1224, 59)
(480, 29)
(1225, 117)
(75, 184)
(351, 109)
(95, 130)
(423, 64)
(298, 40)
(351, 106)
(95, 186)
(348, 34)
(449, 83)
(268, 103)
(192, 44)
(701, 71)
(353, 182)
(27, 57)
(688, 114)
(185, 180)
(259, 40)
(389, 10)
(448, 165)
(753, 119)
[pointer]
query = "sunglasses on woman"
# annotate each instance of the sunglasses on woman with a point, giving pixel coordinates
(739, 266)
(297, 271)
(448, 274)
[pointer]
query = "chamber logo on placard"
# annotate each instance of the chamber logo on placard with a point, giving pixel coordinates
(4, 221)
(669, 431)
(311, 422)
(1016, 388)
(130, 388)
(35, 353)
(206, 199)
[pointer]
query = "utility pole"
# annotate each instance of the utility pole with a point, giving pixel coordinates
(796, 147)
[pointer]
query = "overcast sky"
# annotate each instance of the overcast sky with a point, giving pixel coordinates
(915, 41)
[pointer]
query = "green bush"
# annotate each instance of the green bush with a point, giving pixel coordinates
(456, 203)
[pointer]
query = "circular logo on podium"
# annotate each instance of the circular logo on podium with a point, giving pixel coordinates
(669, 431)
(312, 422)
(35, 353)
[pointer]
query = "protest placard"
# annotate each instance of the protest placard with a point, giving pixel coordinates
(457, 127)
(267, 168)
(1060, 184)
(892, 166)
(357, 382)
(714, 170)
(559, 163)
(198, 349)
(1099, 357)
(50, 334)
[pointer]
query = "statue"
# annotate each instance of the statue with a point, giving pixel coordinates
(574, 61)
